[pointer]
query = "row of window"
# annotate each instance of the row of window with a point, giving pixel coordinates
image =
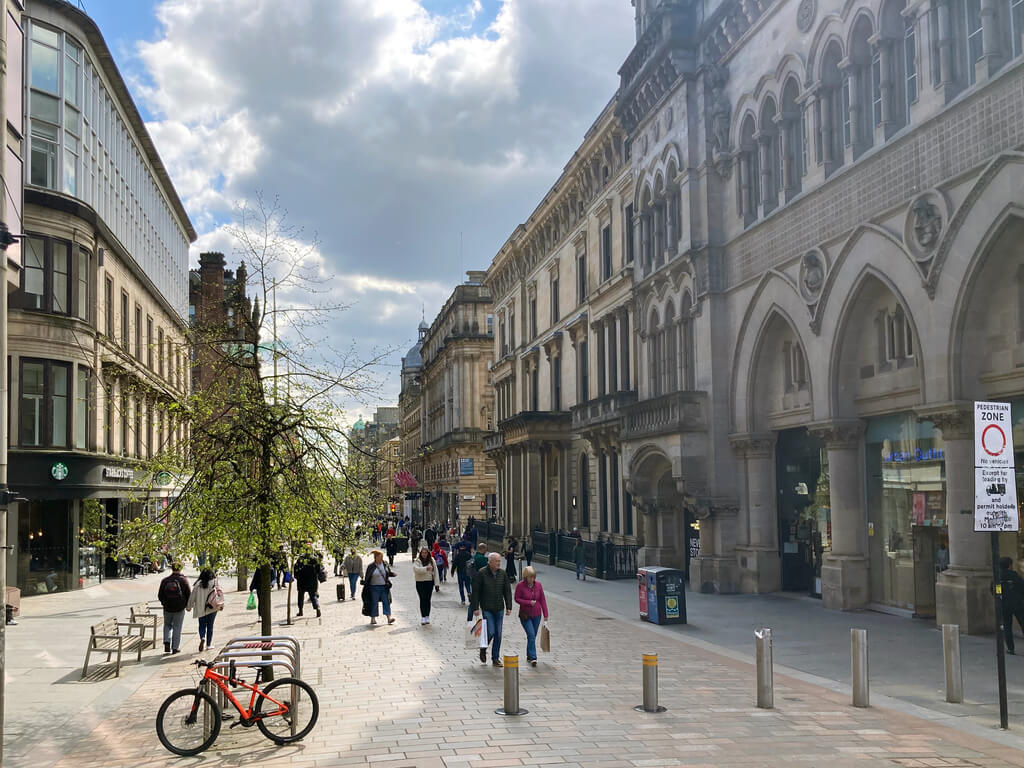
(79, 145)
(57, 279)
(610, 500)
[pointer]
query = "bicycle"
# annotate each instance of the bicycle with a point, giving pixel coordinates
(189, 720)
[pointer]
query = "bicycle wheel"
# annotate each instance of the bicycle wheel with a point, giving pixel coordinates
(188, 722)
(295, 717)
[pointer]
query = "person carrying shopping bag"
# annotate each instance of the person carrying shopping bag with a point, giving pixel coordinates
(377, 588)
(532, 607)
(425, 574)
(492, 592)
(205, 600)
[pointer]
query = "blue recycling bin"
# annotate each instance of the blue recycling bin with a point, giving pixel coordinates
(665, 592)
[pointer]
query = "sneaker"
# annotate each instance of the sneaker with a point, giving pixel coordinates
(426, 620)
(373, 621)
(496, 663)
(391, 620)
(202, 645)
(463, 602)
(533, 662)
(423, 619)
(483, 655)
(318, 613)
(167, 647)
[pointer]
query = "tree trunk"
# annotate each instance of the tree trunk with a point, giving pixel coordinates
(266, 612)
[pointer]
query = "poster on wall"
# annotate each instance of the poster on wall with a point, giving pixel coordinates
(995, 499)
(919, 507)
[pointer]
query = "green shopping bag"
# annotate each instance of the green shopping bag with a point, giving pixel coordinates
(251, 604)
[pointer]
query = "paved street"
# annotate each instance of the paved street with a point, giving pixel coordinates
(411, 696)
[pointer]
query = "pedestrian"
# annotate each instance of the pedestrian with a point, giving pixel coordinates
(579, 556)
(528, 551)
(492, 592)
(441, 558)
(377, 588)
(339, 557)
(510, 557)
(1012, 600)
(309, 572)
(425, 574)
(354, 568)
(461, 562)
(205, 600)
(532, 606)
(391, 547)
(472, 533)
(280, 567)
(431, 536)
(173, 596)
(415, 538)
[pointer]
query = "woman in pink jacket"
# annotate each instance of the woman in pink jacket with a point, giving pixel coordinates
(532, 606)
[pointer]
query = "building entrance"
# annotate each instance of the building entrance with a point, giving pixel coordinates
(805, 527)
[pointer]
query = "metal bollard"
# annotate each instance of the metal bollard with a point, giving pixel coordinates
(859, 666)
(765, 678)
(650, 672)
(511, 688)
(951, 657)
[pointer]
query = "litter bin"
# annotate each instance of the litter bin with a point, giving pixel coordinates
(666, 595)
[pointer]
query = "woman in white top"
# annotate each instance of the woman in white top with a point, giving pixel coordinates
(205, 600)
(424, 571)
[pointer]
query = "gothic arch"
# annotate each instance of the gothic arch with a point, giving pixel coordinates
(830, 26)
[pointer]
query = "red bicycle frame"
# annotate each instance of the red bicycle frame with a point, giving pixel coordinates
(223, 682)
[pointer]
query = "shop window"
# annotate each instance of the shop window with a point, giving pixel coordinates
(44, 403)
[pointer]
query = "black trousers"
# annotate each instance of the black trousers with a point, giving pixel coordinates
(312, 592)
(425, 589)
(1008, 615)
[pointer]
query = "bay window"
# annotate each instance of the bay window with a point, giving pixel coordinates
(44, 403)
(52, 280)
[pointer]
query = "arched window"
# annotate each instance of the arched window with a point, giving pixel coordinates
(584, 491)
(659, 210)
(864, 76)
(646, 230)
(791, 141)
(670, 343)
(673, 203)
(749, 176)
(831, 113)
(769, 155)
(897, 67)
(654, 353)
(688, 352)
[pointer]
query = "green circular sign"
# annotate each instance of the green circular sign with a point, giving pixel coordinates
(164, 478)
(59, 470)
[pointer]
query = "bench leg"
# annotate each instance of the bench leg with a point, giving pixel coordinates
(117, 672)
(141, 644)
(88, 652)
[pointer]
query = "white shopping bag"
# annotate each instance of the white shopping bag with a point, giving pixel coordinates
(475, 629)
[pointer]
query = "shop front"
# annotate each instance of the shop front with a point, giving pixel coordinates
(908, 540)
(804, 513)
(69, 505)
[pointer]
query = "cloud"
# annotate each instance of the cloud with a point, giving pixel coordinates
(411, 141)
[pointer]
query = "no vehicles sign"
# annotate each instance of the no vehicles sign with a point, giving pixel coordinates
(993, 435)
(995, 484)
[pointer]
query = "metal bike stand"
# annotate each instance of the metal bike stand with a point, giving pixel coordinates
(251, 651)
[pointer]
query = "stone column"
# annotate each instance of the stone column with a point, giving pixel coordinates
(853, 75)
(946, 47)
(626, 351)
(825, 129)
(744, 179)
(787, 124)
(962, 591)
(885, 57)
(844, 573)
(611, 346)
(990, 34)
(532, 487)
(764, 149)
(757, 529)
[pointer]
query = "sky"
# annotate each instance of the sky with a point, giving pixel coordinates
(406, 139)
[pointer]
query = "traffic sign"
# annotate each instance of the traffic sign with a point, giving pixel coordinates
(993, 435)
(995, 499)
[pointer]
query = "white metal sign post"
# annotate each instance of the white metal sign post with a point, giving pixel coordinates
(995, 506)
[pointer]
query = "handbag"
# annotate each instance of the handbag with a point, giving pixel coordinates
(287, 577)
(545, 638)
(321, 575)
(250, 604)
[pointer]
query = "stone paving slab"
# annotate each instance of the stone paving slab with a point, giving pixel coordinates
(406, 695)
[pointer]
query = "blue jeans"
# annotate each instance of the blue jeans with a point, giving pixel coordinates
(494, 619)
(206, 628)
(379, 594)
(172, 628)
(353, 578)
(465, 585)
(531, 625)
(581, 570)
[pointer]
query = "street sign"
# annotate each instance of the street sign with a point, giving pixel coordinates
(995, 499)
(993, 435)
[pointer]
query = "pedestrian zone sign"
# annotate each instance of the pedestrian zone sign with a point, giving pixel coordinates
(995, 484)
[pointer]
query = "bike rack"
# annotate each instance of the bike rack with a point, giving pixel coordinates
(255, 648)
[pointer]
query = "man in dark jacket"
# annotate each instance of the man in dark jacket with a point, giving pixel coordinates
(492, 592)
(308, 568)
(173, 596)
(460, 569)
(1012, 599)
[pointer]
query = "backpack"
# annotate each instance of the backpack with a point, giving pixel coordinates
(439, 559)
(171, 595)
(215, 599)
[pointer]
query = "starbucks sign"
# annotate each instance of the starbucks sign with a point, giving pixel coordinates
(59, 470)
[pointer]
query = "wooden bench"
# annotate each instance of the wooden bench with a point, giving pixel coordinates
(106, 637)
(143, 614)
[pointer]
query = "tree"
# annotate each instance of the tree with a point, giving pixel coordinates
(264, 461)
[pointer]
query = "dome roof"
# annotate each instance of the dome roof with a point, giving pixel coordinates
(413, 358)
(359, 426)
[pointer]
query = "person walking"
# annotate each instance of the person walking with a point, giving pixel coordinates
(579, 556)
(173, 595)
(391, 547)
(430, 535)
(205, 600)
(532, 606)
(425, 574)
(528, 551)
(510, 557)
(354, 568)
(441, 559)
(492, 592)
(1012, 601)
(415, 537)
(461, 562)
(308, 572)
(446, 547)
(377, 588)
